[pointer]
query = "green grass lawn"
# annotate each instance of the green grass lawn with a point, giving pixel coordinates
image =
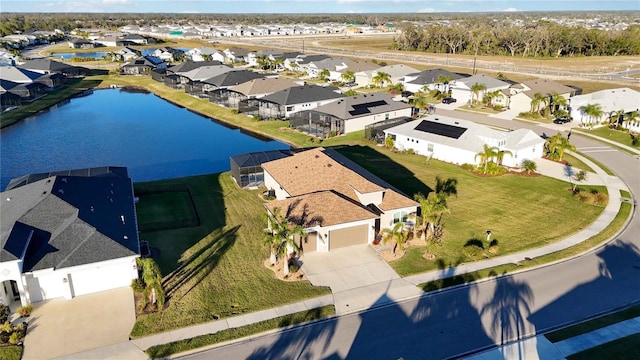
(216, 269)
(577, 163)
(621, 137)
(627, 348)
(173, 208)
(13, 352)
(161, 351)
(522, 212)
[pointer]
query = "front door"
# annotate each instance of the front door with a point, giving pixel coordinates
(14, 289)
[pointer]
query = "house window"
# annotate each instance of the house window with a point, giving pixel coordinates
(430, 147)
(386, 116)
(289, 108)
(400, 216)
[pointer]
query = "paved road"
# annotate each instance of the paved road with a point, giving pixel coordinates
(466, 319)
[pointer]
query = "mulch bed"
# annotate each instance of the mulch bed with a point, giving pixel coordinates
(277, 271)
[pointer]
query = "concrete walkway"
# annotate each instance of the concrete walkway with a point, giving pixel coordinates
(614, 143)
(539, 347)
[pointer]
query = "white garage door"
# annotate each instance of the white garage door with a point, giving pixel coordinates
(92, 280)
(46, 286)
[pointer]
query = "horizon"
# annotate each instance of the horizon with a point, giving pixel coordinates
(313, 7)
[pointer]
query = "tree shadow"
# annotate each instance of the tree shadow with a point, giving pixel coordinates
(616, 285)
(200, 264)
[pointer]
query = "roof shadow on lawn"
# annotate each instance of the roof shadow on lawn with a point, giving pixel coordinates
(383, 167)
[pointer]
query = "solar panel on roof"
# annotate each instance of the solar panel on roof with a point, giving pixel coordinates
(437, 128)
(360, 109)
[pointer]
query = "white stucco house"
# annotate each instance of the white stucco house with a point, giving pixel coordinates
(337, 202)
(201, 53)
(458, 141)
(461, 89)
(519, 96)
(67, 234)
(396, 74)
(610, 101)
(430, 79)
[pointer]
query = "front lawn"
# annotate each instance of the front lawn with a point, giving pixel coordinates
(626, 348)
(621, 137)
(521, 212)
(216, 270)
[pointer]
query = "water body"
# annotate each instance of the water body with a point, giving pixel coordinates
(152, 137)
(68, 56)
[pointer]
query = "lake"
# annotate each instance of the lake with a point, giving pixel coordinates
(152, 137)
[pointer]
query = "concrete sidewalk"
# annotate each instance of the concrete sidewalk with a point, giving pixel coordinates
(539, 347)
(600, 138)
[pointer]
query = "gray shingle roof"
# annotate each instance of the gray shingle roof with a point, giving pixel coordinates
(303, 94)
(431, 76)
(192, 65)
(361, 105)
(234, 77)
(18, 75)
(63, 221)
(488, 81)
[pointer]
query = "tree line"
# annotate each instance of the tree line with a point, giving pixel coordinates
(539, 39)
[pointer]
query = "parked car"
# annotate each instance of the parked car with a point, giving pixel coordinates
(562, 119)
(448, 100)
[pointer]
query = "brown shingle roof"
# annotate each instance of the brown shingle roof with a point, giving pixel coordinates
(314, 170)
(324, 208)
(263, 86)
(546, 87)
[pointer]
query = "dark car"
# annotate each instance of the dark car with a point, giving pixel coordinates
(562, 120)
(448, 100)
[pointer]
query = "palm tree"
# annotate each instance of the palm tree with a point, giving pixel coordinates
(557, 145)
(476, 89)
(432, 207)
(488, 97)
(536, 102)
(381, 78)
(592, 111)
(447, 187)
(324, 74)
(486, 155)
(558, 102)
(500, 155)
(153, 283)
(564, 145)
(616, 118)
(280, 237)
(397, 233)
(420, 101)
(445, 81)
(348, 76)
(529, 166)
(630, 117)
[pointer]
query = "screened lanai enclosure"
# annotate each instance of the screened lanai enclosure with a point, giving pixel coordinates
(262, 108)
(316, 123)
(227, 98)
(246, 169)
(376, 131)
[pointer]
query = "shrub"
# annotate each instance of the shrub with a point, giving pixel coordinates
(473, 251)
(235, 111)
(137, 285)
(25, 310)
(14, 338)
(4, 313)
(468, 167)
(529, 166)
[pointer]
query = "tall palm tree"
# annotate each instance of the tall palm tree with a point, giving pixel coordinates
(486, 156)
(536, 102)
(616, 118)
(348, 76)
(431, 209)
(381, 78)
(564, 145)
(630, 117)
(476, 89)
(592, 111)
(445, 81)
(280, 236)
(488, 97)
(324, 74)
(500, 155)
(558, 102)
(420, 101)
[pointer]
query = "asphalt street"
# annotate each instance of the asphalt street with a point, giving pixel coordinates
(466, 319)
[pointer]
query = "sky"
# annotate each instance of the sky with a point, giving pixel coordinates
(312, 6)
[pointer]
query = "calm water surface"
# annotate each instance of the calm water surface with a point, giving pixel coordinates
(152, 137)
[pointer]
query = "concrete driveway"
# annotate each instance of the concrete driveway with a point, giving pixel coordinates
(358, 277)
(62, 327)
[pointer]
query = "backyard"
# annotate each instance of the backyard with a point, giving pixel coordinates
(216, 269)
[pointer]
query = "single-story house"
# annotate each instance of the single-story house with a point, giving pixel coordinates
(67, 234)
(168, 53)
(337, 202)
(431, 79)
(48, 66)
(173, 77)
(125, 54)
(281, 104)
(302, 61)
(77, 43)
(519, 96)
(256, 88)
(204, 53)
(396, 74)
(221, 81)
(8, 100)
(143, 65)
(458, 141)
(461, 89)
(26, 91)
(246, 169)
(135, 38)
(610, 101)
(349, 114)
(236, 55)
